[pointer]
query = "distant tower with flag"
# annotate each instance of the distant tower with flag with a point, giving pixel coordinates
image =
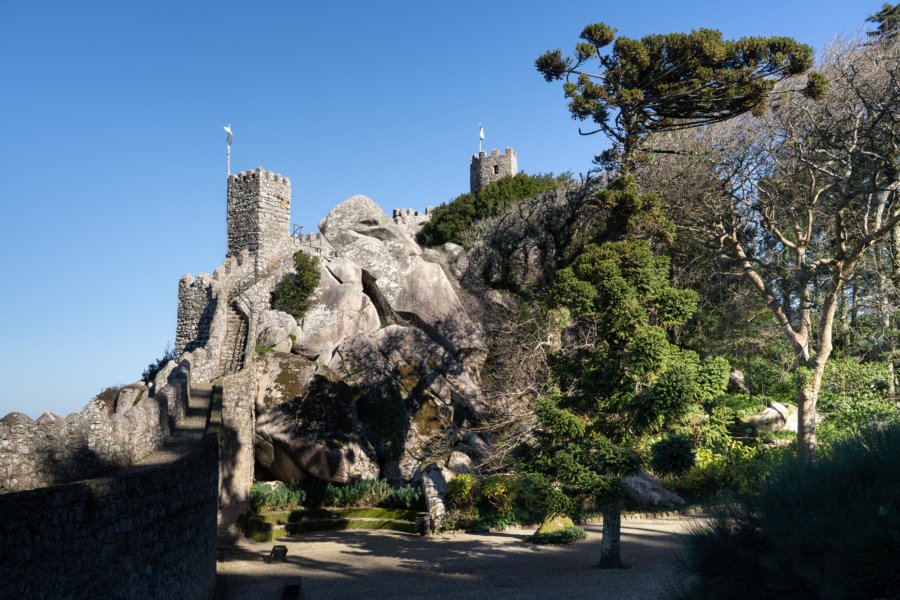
(484, 169)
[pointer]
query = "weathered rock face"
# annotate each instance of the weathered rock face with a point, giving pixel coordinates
(277, 330)
(644, 491)
(342, 310)
(306, 423)
(397, 362)
(418, 290)
(411, 391)
(775, 417)
(363, 234)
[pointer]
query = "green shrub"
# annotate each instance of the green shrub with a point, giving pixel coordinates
(501, 491)
(405, 496)
(560, 536)
(712, 378)
(449, 222)
(672, 455)
(853, 398)
(370, 493)
(830, 529)
(294, 292)
(361, 493)
(276, 495)
(462, 492)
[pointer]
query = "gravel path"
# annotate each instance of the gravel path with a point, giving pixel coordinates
(371, 564)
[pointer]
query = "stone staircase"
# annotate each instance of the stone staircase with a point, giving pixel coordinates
(232, 357)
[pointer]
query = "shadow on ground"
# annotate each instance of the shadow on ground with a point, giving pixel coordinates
(375, 564)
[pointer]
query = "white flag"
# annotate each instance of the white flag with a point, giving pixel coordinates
(230, 137)
(481, 133)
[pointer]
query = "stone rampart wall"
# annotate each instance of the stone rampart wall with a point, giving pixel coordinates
(101, 438)
(236, 445)
(144, 533)
(196, 308)
(412, 220)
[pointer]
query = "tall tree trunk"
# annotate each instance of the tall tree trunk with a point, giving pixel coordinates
(807, 396)
(611, 544)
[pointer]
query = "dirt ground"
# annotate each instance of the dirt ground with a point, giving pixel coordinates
(372, 564)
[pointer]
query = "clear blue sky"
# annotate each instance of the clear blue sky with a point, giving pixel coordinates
(113, 152)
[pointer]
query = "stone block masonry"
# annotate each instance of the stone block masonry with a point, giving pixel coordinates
(412, 220)
(147, 532)
(52, 449)
(236, 447)
(259, 215)
(196, 308)
(485, 169)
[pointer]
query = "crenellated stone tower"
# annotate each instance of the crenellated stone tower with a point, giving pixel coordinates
(259, 215)
(484, 169)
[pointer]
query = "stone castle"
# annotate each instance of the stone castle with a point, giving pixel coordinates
(196, 426)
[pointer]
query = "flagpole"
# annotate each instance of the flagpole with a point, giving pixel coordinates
(228, 140)
(480, 137)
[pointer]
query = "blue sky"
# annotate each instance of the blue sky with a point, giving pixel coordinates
(113, 151)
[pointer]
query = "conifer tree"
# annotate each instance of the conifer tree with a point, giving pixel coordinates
(631, 379)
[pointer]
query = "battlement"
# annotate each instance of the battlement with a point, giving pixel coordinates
(485, 169)
(259, 173)
(412, 220)
(406, 213)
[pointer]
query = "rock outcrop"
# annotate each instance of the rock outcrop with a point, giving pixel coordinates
(385, 365)
(307, 424)
(644, 491)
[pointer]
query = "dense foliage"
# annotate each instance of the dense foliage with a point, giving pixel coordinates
(274, 496)
(294, 293)
(824, 530)
(368, 493)
(449, 222)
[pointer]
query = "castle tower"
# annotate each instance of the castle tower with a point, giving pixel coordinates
(485, 169)
(259, 214)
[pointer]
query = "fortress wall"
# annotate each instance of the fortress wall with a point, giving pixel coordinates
(196, 307)
(412, 220)
(52, 449)
(144, 533)
(236, 445)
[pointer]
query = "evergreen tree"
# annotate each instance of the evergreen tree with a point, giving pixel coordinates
(629, 378)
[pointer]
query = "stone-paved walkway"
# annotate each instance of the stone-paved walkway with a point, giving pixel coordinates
(370, 564)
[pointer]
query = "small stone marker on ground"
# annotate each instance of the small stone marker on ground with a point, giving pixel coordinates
(278, 554)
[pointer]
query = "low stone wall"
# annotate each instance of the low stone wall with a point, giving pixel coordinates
(52, 449)
(147, 532)
(236, 447)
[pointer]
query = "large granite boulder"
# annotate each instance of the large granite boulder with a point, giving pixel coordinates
(645, 491)
(411, 392)
(775, 417)
(307, 424)
(428, 300)
(360, 231)
(417, 289)
(277, 330)
(341, 310)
